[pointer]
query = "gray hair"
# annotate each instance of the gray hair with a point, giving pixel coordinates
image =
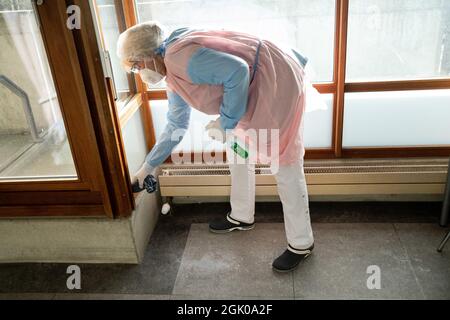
(140, 41)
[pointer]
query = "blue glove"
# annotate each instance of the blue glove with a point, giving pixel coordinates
(149, 184)
(144, 179)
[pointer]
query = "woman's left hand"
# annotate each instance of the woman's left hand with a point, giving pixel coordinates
(215, 131)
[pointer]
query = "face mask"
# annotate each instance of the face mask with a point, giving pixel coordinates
(151, 77)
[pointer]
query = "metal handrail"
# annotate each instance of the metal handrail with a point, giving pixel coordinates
(18, 91)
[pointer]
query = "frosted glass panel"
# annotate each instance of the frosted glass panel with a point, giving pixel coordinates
(196, 139)
(319, 124)
(303, 24)
(317, 132)
(405, 118)
(134, 141)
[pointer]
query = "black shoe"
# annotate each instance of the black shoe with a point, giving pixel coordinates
(228, 224)
(149, 185)
(289, 260)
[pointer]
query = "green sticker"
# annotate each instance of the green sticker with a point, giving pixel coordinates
(239, 150)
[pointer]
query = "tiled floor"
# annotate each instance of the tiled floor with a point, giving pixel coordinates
(185, 261)
(234, 264)
(338, 269)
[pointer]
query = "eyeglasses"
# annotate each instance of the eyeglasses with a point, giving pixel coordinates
(135, 68)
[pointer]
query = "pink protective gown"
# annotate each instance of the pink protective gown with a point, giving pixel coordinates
(276, 94)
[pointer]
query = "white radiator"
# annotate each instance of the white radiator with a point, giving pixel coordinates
(344, 179)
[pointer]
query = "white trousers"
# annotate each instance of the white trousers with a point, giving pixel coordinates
(293, 194)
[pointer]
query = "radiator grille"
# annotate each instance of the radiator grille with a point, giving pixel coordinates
(324, 166)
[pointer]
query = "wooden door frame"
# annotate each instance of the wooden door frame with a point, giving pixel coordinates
(105, 114)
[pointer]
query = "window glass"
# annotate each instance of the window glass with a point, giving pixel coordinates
(398, 40)
(111, 23)
(317, 127)
(33, 139)
(195, 139)
(134, 142)
(302, 24)
(319, 124)
(397, 118)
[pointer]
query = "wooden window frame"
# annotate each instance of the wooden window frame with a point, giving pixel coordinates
(129, 11)
(342, 7)
(338, 87)
(122, 26)
(93, 124)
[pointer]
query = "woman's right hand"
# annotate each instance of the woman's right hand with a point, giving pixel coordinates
(140, 177)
